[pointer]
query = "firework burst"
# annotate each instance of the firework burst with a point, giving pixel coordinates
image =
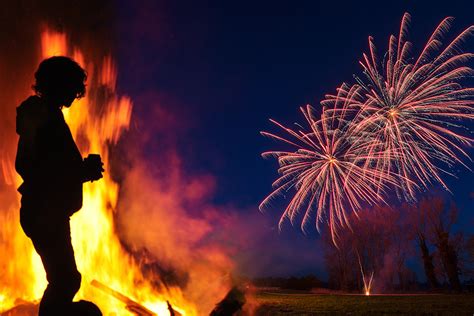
(327, 172)
(410, 108)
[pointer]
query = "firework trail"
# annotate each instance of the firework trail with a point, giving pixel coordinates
(327, 171)
(366, 280)
(389, 129)
(411, 108)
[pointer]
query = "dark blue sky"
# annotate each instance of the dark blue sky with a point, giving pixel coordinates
(227, 66)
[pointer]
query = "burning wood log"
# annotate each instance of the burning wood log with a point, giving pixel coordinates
(172, 311)
(130, 304)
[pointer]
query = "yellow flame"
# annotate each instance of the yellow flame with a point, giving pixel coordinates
(53, 44)
(22, 274)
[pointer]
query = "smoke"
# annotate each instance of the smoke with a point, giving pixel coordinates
(166, 212)
(153, 218)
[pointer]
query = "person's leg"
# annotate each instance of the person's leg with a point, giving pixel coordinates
(52, 241)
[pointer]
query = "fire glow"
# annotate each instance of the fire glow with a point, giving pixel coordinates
(96, 122)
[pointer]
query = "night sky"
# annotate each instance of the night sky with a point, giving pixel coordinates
(224, 67)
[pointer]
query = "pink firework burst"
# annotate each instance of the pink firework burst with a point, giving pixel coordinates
(327, 172)
(411, 108)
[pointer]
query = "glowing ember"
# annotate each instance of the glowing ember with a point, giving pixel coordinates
(96, 122)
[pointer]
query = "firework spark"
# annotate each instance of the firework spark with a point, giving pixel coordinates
(411, 108)
(327, 171)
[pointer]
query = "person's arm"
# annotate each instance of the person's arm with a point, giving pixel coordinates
(24, 157)
(26, 128)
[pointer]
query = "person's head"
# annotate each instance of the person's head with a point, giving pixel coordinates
(60, 80)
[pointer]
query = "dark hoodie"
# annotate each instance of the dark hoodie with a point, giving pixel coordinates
(48, 160)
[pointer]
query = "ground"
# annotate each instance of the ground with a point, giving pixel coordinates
(272, 303)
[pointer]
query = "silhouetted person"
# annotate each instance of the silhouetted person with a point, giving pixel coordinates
(53, 172)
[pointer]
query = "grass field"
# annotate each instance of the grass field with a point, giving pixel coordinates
(314, 304)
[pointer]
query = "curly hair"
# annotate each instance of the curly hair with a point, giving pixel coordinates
(58, 74)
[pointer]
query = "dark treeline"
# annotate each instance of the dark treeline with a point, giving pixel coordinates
(383, 241)
(389, 243)
(292, 283)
